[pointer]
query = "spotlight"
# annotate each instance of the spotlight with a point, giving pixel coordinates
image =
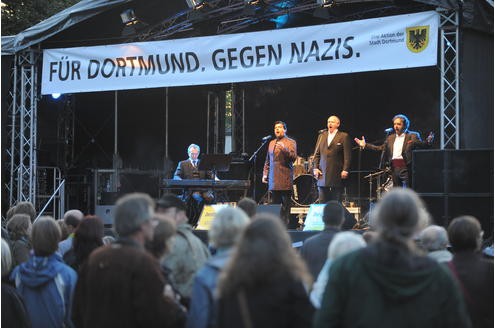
(251, 2)
(128, 17)
(195, 4)
(56, 95)
(325, 3)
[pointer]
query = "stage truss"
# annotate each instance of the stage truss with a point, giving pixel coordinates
(24, 94)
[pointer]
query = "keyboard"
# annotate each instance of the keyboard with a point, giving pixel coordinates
(204, 183)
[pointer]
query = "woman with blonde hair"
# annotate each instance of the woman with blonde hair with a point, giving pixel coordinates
(265, 283)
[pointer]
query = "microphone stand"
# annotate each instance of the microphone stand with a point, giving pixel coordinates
(253, 159)
(318, 142)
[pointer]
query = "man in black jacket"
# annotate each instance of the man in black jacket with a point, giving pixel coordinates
(398, 149)
(332, 161)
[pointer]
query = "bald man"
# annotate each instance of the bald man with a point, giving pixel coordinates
(332, 161)
(72, 218)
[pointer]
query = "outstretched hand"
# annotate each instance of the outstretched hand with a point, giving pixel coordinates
(360, 142)
(430, 138)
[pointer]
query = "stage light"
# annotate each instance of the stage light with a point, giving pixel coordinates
(128, 17)
(56, 95)
(251, 2)
(325, 3)
(195, 4)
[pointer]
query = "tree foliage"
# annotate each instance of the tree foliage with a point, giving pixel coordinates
(18, 15)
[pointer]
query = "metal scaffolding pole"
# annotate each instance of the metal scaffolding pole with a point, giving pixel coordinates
(449, 79)
(23, 111)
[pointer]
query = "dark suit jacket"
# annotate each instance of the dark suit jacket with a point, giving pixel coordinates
(315, 249)
(279, 163)
(412, 141)
(333, 159)
(185, 170)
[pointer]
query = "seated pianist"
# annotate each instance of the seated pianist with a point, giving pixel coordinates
(188, 170)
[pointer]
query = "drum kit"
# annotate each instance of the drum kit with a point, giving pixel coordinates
(304, 190)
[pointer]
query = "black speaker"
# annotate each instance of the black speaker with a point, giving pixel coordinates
(453, 171)
(454, 183)
(272, 209)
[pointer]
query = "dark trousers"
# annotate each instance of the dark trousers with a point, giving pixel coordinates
(283, 197)
(326, 194)
(401, 177)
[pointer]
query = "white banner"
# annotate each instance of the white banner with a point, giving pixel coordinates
(367, 45)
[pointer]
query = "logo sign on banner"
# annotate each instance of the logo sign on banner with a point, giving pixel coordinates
(392, 42)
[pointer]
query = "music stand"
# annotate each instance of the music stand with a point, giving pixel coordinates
(215, 163)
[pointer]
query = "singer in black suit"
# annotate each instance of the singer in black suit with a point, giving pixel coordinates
(398, 148)
(332, 161)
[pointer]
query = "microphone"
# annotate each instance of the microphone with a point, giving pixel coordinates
(387, 131)
(268, 137)
(321, 131)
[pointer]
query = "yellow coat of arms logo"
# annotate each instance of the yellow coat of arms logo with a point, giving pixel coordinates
(417, 38)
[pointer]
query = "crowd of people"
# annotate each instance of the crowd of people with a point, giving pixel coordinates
(402, 272)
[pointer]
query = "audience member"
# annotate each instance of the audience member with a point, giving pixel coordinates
(473, 272)
(63, 230)
(25, 208)
(14, 312)
(248, 205)
(225, 230)
(189, 253)
(19, 228)
(343, 243)
(160, 246)
(265, 283)
(388, 283)
(120, 285)
(87, 237)
(314, 250)
(434, 241)
(72, 218)
(44, 281)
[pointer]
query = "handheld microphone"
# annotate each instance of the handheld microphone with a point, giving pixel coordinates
(266, 137)
(387, 131)
(321, 131)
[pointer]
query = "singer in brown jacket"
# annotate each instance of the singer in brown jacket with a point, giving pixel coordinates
(278, 171)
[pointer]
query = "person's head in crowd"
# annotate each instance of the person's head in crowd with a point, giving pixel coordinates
(226, 227)
(19, 226)
(248, 205)
(333, 214)
(369, 236)
(10, 213)
(343, 243)
(45, 236)
(87, 237)
(6, 258)
(398, 217)
(133, 217)
(433, 238)
(465, 234)
(63, 229)
(263, 253)
(26, 208)
(163, 236)
(72, 218)
(170, 205)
